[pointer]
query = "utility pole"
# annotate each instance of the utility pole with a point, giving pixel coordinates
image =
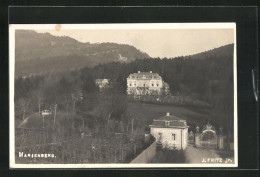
(83, 125)
(42, 121)
(115, 155)
(132, 126)
(54, 118)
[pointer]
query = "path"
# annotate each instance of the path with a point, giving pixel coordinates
(193, 155)
(199, 155)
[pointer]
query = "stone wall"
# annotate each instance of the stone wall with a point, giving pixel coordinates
(147, 155)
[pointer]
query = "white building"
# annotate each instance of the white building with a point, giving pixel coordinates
(170, 131)
(146, 83)
(102, 83)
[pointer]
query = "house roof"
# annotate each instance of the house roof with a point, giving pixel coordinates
(101, 80)
(148, 75)
(169, 121)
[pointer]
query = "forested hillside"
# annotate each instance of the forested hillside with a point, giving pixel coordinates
(37, 53)
(207, 79)
(224, 51)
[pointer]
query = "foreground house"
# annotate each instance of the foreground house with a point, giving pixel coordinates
(146, 83)
(170, 131)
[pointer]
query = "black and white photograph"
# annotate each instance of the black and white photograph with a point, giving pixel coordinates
(124, 95)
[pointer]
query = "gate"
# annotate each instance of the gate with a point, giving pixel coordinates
(191, 138)
(208, 137)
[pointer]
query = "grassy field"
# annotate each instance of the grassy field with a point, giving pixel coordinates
(144, 114)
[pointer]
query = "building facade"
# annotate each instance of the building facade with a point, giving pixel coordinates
(146, 83)
(170, 131)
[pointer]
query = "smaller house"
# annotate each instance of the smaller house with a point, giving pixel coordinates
(170, 131)
(46, 112)
(102, 83)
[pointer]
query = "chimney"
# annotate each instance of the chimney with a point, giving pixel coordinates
(138, 71)
(151, 72)
(167, 114)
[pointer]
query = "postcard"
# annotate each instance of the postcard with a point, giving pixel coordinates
(147, 95)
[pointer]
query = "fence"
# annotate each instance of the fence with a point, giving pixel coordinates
(219, 142)
(147, 155)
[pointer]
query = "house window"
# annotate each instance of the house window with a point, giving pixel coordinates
(174, 136)
(152, 85)
(144, 85)
(167, 123)
(159, 136)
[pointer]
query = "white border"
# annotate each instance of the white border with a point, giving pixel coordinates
(13, 27)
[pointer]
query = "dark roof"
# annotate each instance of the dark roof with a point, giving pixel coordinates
(169, 121)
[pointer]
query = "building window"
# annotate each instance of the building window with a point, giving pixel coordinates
(152, 85)
(159, 136)
(174, 136)
(144, 85)
(167, 123)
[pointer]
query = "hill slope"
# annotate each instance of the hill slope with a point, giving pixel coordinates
(223, 51)
(41, 52)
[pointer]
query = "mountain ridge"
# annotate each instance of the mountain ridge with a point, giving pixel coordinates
(29, 45)
(38, 53)
(42, 52)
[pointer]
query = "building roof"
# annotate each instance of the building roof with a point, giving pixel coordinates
(169, 121)
(148, 75)
(100, 80)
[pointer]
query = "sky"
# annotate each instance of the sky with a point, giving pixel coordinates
(155, 42)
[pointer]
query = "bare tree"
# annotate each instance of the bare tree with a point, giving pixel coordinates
(23, 104)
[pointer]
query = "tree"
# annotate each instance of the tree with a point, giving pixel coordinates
(88, 84)
(23, 105)
(38, 96)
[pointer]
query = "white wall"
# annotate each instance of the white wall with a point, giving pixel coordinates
(167, 140)
(141, 82)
